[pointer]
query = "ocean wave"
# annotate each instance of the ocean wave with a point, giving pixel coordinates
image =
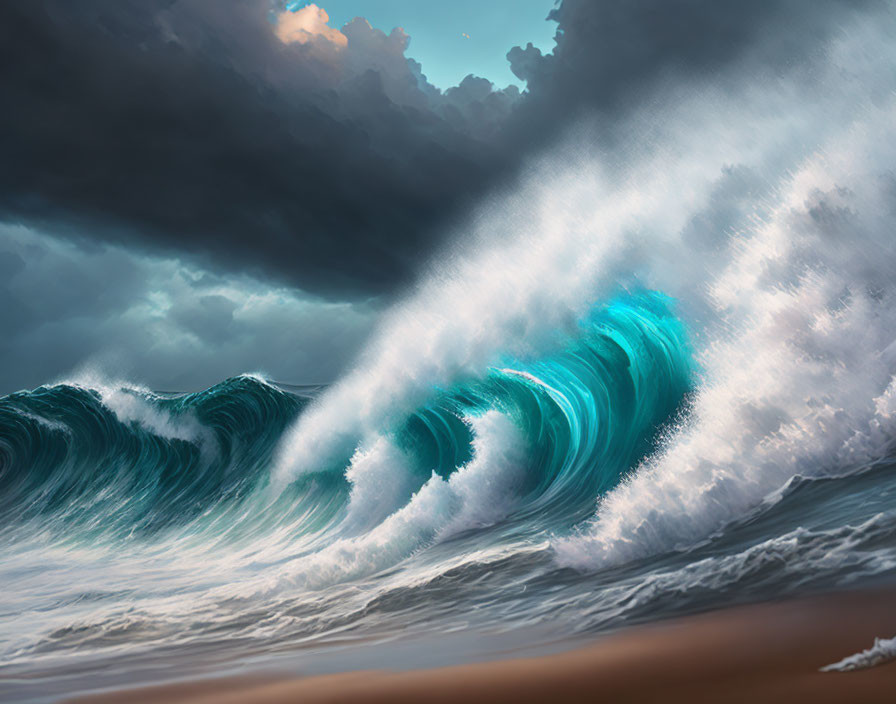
(116, 459)
(531, 444)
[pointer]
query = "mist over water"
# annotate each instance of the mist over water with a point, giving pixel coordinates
(652, 381)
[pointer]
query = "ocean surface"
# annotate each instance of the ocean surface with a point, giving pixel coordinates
(630, 392)
(142, 528)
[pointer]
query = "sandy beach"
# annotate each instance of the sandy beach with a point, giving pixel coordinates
(767, 652)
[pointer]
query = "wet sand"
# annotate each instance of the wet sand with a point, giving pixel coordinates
(763, 653)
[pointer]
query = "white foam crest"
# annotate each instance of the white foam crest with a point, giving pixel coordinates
(382, 480)
(46, 422)
(129, 402)
(883, 650)
(488, 486)
(804, 384)
(129, 407)
(479, 494)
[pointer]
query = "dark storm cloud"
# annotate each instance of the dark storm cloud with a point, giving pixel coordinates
(613, 56)
(104, 311)
(192, 125)
(324, 159)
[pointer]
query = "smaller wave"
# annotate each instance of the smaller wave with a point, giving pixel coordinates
(116, 459)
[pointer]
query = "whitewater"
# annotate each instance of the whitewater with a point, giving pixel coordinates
(644, 383)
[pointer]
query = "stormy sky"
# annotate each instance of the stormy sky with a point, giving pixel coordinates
(191, 189)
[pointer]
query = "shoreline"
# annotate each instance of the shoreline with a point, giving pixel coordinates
(765, 652)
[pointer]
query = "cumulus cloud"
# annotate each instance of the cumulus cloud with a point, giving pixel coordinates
(307, 24)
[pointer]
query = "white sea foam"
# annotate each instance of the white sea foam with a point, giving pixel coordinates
(489, 485)
(803, 384)
(478, 494)
(130, 403)
(883, 650)
(46, 422)
(382, 480)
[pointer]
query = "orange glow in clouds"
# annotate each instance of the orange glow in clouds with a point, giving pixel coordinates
(307, 24)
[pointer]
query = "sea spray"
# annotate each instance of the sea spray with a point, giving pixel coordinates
(802, 383)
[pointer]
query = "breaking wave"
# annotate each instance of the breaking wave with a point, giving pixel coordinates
(533, 445)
